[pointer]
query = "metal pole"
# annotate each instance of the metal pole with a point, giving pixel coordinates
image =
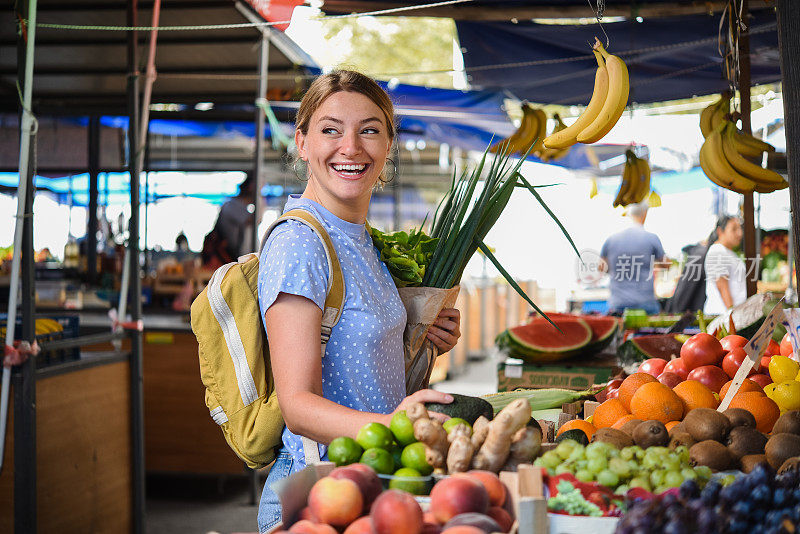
(22, 192)
(135, 162)
(94, 170)
(261, 100)
(789, 42)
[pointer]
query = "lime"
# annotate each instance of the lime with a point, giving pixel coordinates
(379, 459)
(414, 457)
(344, 451)
(374, 435)
(397, 452)
(453, 422)
(410, 480)
(402, 428)
(782, 368)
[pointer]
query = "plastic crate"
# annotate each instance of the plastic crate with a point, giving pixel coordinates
(71, 327)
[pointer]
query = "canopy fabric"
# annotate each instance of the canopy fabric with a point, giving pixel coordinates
(668, 58)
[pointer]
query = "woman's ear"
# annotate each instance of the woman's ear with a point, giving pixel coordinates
(300, 142)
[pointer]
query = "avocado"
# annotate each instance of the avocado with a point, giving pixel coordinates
(575, 434)
(465, 407)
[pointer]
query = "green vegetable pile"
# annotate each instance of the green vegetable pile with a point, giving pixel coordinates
(405, 254)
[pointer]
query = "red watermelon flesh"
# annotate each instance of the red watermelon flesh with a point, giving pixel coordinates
(539, 341)
(603, 326)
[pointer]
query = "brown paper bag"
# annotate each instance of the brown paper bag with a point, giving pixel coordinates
(423, 305)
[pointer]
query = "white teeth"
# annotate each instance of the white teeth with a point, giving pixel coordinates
(349, 167)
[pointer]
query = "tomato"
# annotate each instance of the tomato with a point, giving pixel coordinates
(701, 349)
(761, 379)
(612, 387)
(786, 346)
(678, 367)
(669, 379)
(733, 360)
(773, 348)
(765, 362)
(712, 376)
(653, 366)
(731, 341)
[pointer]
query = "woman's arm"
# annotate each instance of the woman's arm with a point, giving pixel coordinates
(725, 291)
(293, 323)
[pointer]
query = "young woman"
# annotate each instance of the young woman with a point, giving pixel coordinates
(344, 130)
(725, 271)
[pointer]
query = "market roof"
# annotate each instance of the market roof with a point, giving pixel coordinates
(85, 72)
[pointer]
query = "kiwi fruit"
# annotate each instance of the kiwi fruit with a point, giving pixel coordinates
(651, 434)
(706, 424)
(677, 429)
(615, 437)
(788, 423)
(750, 461)
(681, 439)
(712, 454)
(743, 440)
(781, 447)
(740, 417)
(630, 426)
(790, 465)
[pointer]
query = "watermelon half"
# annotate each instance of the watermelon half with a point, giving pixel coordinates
(538, 341)
(604, 327)
(638, 349)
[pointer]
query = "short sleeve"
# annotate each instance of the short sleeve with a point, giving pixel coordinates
(658, 248)
(604, 249)
(717, 263)
(293, 261)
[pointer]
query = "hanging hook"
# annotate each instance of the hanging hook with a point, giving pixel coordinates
(598, 11)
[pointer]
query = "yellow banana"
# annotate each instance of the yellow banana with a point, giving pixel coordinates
(653, 200)
(717, 168)
(720, 113)
(528, 131)
(750, 146)
(761, 188)
(705, 116)
(569, 135)
(635, 178)
(616, 100)
(550, 154)
(541, 132)
(745, 167)
(511, 142)
(624, 186)
(644, 180)
(593, 188)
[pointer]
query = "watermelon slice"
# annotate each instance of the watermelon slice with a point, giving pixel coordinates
(604, 327)
(641, 348)
(538, 341)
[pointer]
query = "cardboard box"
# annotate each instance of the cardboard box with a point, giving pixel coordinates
(577, 374)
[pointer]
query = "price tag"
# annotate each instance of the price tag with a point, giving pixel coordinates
(754, 349)
(791, 320)
(513, 371)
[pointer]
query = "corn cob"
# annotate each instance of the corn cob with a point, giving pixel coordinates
(539, 399)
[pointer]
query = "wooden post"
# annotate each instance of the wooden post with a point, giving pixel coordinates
(749, 225)
(789, 44)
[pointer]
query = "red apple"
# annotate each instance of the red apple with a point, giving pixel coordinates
(733, 360)
(701, 349)
(761, 379)
(732, 341)
(678, 367)
(613, 385)
(669, 379)
(711, 376)
(653, 366)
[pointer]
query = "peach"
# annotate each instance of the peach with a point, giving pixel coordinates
(304, 526)
(396, 512)
(482, 521)
(337, 502)
(305, 513)
(367, 481)
(427, 517)
(362, 525)
(458, 495)
(463, 529)
(496, 489)
(502, 517)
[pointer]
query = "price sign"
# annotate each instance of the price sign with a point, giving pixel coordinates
(754, 349)
(791, 320)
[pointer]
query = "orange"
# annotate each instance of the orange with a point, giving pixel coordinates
(656, 401)
(764, 409)
(630, 385)
(622, 420)
(747, 385)
(580, 424)
(694, 394)
(608, 413)
(671, 425)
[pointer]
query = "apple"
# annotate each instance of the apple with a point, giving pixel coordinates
(653, 366)
(669, 379)
(733, 360)
(732, 341)
(678, 367)
(711, 376)
(761, 379)
(701, 349)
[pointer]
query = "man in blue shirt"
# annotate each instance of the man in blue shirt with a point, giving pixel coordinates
(630, 257)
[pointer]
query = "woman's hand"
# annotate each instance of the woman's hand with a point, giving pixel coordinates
(446, 330)
(423, 396)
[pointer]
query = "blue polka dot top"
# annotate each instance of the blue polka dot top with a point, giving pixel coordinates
(363, 366)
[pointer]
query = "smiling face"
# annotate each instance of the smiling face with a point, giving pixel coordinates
(346, 147)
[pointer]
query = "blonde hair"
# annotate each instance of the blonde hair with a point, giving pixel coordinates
(343, 80)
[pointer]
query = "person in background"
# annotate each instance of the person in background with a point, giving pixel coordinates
(235, 220)
(630, 257)
(725, 271)
(690, 291)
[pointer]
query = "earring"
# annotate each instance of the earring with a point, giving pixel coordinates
(304, 176)
(394, 174)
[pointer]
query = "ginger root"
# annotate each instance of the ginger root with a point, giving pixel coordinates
(460, 454)
(432, 434)
(479, 430)
(495, 449)
(525, 445)
(417, 411)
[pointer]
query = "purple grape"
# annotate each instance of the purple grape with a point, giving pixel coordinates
(742, 508)
(761, 474)
(689, 489)
(710, 493)
(761, 494)
(675, 526)
(780, 498)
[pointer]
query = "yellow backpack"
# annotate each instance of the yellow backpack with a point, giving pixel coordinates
(234, 354)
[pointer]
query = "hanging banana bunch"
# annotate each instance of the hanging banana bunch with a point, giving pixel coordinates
(725, 152)
(529, 135)
(609, 98)
(635, 185)
(552, 154)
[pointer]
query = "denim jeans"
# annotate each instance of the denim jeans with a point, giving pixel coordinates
(269, 507)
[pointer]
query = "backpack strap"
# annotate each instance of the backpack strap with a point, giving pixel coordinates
(334, 300)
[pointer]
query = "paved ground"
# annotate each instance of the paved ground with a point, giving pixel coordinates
(202, 505)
